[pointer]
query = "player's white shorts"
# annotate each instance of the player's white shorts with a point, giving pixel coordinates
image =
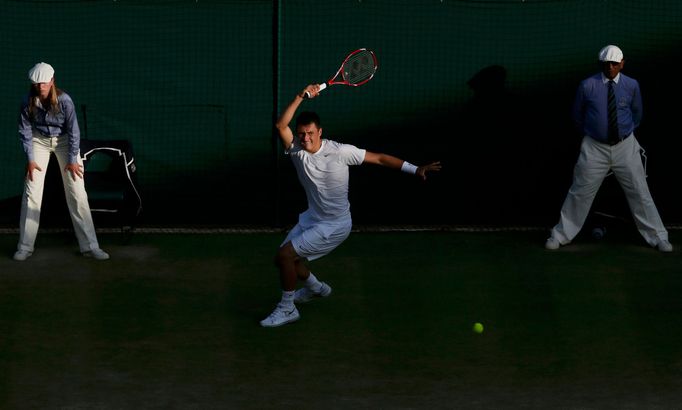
(313, 240)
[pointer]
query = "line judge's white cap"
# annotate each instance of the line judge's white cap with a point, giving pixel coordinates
(611, 53)
(41, 73)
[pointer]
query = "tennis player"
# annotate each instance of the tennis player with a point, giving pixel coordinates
(48, 125)
(322, 168)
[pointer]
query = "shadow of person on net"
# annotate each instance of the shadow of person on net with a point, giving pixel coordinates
(490, 148)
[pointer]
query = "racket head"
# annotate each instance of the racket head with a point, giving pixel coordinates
(357, 69)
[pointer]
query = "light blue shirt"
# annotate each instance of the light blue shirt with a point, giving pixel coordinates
(62, 125)
(590, 111)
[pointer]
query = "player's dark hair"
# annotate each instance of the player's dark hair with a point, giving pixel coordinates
(308, 117)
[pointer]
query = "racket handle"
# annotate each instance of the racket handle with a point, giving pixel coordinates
(322, 87)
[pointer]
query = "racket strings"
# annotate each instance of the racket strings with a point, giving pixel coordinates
(359, 67)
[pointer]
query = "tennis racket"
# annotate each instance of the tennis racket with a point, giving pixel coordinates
(358, 68)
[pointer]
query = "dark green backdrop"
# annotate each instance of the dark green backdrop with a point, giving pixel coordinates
(195, 85)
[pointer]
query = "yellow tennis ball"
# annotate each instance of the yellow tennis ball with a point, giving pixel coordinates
(478, 328)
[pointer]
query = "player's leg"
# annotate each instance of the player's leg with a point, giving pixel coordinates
(309, 280)
(313, 243)
(629, 171)
(588, 174)
(286, 261)
(312, 287)
(285, 311)
(32, 199)
(306, 241)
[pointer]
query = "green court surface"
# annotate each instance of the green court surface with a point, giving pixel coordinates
(171, 321)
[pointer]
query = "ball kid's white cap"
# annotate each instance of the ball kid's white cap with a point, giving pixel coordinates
(41, 73)
(611, 53)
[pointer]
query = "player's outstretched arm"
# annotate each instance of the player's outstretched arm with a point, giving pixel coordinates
(286, 135)
(397, 163)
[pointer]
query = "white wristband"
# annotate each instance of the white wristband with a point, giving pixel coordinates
(409, 168)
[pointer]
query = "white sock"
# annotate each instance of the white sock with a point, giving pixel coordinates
(287, 298)
(312, 283)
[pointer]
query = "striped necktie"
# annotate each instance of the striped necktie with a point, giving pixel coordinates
(614, 135)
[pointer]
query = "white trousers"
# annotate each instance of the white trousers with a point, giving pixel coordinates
(76, 197)
(594, 162)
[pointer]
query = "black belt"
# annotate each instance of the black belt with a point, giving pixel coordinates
(614, 142)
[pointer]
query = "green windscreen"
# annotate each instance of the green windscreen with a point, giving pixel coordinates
(483, 86)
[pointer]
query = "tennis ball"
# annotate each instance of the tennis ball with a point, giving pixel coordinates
(478, 328)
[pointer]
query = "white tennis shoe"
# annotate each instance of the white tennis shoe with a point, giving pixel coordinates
(22, 255)
(552, 244)
(665, 246)
(304, 294)
(96, 253)
(281, 316)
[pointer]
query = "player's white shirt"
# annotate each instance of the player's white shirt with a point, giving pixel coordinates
(324, 177)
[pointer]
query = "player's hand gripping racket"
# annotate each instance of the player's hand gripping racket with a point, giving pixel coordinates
(358, 68)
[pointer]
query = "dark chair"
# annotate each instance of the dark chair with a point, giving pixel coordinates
(111, 182)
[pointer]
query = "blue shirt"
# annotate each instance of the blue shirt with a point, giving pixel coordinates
(590, 111)
(62, 125)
